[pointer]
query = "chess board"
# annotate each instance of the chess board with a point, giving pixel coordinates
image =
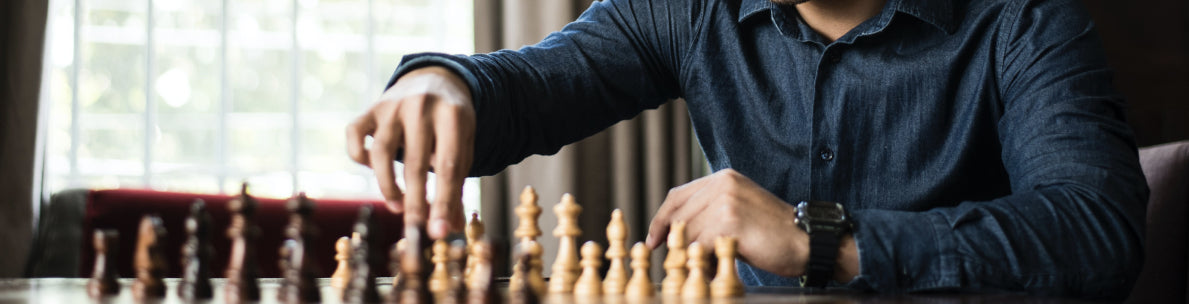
(73, 290)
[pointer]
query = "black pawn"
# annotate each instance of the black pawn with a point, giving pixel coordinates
(242, 270)
(362, 285)
(298, 284)
(149, 260)
(196, 255)
(105, 278)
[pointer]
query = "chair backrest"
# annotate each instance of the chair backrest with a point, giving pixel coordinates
(1163, 279)
(122, 209)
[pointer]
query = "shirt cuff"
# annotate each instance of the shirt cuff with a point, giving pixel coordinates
(904, 252)
(455, 64)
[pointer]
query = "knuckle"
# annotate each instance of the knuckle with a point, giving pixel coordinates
(447, 169)
(672, 192)
(728, 213)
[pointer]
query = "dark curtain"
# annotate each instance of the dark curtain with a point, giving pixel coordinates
(630, 166)
(22, 35)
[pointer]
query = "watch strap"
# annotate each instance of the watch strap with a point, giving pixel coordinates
(823, 254)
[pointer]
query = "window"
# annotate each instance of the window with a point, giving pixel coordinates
(198, 95)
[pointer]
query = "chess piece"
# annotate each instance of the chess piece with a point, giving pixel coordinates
(726, 283)
(696, 286)
(519, 279)
(242, 270)
(536, 267)
(480, 287)
(414, 268)
(439, 280)
(528, 212)
(149, 259)
(617, 252)
(286, 261)
(640, 286)
(527, 231)
(589, 283)
(104, 277)
(298, 270)
(394, 256)
(675, 273)
(342, 272)
(474, 231)
(455, 292)
(565, 267)
(523, 295)
(361, 280)
(197, 255)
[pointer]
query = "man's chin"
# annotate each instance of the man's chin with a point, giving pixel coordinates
(788, 2)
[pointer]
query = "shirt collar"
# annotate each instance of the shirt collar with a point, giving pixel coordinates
(939, 13)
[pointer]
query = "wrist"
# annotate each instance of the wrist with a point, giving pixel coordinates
(436, 80)
(847, 266)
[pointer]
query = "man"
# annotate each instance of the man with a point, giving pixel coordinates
(976, 144)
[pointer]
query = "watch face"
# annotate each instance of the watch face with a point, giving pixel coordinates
(821, 212)
(825, 211)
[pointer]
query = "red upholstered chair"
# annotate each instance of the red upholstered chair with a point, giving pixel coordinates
(1163, 278)
(122, 210)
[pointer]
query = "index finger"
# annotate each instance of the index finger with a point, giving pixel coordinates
(387, 141)
(676, 199)
(357, 132)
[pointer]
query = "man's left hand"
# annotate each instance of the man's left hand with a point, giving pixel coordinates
(727, 203)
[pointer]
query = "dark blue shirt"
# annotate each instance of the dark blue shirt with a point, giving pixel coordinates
(977, 143)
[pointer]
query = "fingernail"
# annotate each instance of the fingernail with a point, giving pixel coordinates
(438, 227)
(648, 240)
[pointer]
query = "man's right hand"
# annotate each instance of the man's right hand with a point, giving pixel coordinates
(427, 114)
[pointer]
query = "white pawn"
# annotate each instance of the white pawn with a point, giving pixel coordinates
(474, 231)
(674, 264)
(589, 283)
(696, 284)
(342, 273)
(640, 286)
(617, 252)
(439, 279)
(536, 279)
(726, 283)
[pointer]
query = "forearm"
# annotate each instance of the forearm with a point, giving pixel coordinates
(1059, 241)
(597, 71)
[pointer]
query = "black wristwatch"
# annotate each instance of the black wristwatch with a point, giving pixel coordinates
(826, 223)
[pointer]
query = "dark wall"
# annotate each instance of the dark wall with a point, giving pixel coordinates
(1147, 44)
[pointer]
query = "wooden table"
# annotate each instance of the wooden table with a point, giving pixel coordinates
(73, 291)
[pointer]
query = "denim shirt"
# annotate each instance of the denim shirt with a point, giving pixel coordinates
(978, 144)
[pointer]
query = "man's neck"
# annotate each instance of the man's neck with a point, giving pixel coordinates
(834, 18)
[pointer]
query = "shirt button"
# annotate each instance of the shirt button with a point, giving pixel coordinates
(827, 155)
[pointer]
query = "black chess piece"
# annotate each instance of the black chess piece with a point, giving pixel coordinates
(105, 278)
(362, 285)
(149, 259)
(242, 270)
(297, 261)
(196, 255)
